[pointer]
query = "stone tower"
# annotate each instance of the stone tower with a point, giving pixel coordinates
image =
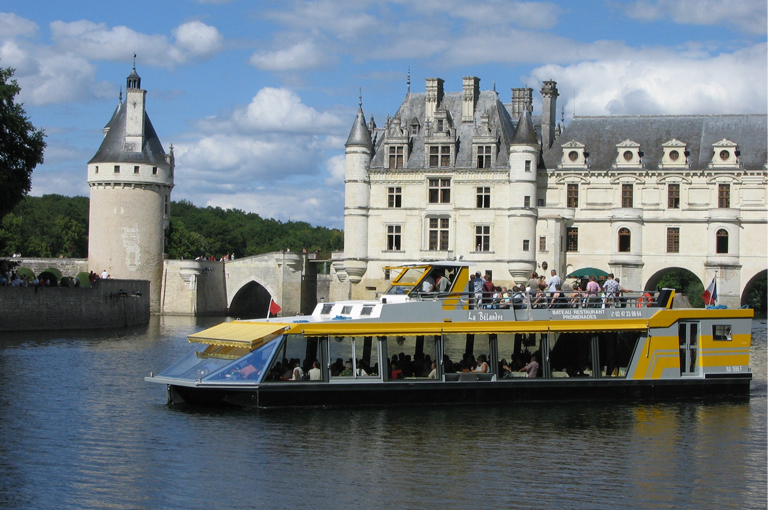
(130, 180)
(548, 113)
(523, 164)
(359, 149)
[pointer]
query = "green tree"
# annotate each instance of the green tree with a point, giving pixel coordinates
(684, 282)
(21, 145)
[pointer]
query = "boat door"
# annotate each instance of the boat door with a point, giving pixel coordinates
(688, 333)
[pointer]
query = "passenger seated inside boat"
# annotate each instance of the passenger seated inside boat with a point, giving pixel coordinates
(482, 365)
(532, 368)
(347, 372)
(315, 374)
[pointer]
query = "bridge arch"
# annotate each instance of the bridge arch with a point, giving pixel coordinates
(683, 280)
(251, 301)
(754, 293)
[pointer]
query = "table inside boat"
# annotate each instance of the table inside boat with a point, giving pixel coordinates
(470, 376)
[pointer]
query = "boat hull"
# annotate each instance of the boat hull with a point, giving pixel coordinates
(420, 393)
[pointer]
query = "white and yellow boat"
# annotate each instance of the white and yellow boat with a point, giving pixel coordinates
(410, 347)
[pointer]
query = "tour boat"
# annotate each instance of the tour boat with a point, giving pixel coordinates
(409, 346)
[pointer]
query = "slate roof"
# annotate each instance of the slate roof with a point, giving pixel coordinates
(359, 135)
(600, 135)
(414, 106)
(112, 147)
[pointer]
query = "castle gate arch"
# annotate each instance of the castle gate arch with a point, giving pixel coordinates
(757, 284)
(690, 282)
(250, 302)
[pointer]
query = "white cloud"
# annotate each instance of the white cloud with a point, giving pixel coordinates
(12, 26)
(301, 56)
(664, 84)
(749, 15)
(96, 41)
(337, 167)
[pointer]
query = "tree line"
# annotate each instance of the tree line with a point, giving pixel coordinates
(57, 226)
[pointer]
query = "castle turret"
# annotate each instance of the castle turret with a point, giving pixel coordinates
(523, 163)
(359, 150)
(130, 180)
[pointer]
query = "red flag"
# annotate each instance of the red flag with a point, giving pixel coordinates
(274, 308)
(710, 295)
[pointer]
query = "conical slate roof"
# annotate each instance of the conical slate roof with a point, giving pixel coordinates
(360, 135)
(525, 134)
(112, 149)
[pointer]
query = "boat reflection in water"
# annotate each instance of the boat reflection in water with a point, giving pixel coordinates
(411, 347)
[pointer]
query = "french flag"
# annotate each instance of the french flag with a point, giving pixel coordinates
(274, 308)
(710, 295)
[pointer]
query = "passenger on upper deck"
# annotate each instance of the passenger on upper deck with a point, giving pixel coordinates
(532, 368)
(476, 287)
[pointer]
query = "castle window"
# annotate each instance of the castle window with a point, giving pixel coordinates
(526, 245)
(527, 166)
(482, 238)
(542, 244)
(440, 124)
(625, 240)
(673, 240)
(439, 191)
(393, 237)
(396, 156)
(722, 241)
(673, 196)
(117, 169)
(439, 156)
(484, 156)
(540, 202)
(154, 170)
(527, 202)
(626, 196)
(97, 168)
(483, 197)
(438, 233)
(724, 196)
(394, 197)
(136, 169)
(572, 235)
(573, 195)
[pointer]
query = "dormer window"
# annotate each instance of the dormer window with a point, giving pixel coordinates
(573, 156)
(397, 156)
(440, 125)
(628, 155)
(674, 154)
(724, 154)
(415, 126)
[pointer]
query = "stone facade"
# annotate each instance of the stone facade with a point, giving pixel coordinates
(464, 175)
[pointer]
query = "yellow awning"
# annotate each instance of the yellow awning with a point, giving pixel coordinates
(239, 334)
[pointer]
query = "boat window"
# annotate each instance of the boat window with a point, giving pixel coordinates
(412, 357)
(249, 368)
(411, 275)
(346, 310)
(516, 351)
(468, 353)
(721, 332)
(366, 310)
(354, 357)
(295, 360)
(570, 354)
(327, 308)
(615, 350)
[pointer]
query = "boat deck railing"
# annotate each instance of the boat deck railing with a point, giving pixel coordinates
(545, 300)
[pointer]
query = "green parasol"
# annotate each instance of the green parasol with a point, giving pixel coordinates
(587, 272)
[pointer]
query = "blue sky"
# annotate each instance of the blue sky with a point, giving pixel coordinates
(257, 98)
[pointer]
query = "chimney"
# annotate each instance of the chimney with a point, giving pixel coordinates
(548, 113)
(522, 100)
(434, 96)
(471, 95)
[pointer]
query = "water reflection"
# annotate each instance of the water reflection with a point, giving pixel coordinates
(81, 429)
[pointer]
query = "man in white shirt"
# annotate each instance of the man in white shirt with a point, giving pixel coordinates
(104, 275)
(554, 282)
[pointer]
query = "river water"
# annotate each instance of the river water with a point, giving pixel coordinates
(80, 429)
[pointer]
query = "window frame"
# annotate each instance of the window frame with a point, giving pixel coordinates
(572, 239)
(673, 239)
(394, 237)
(721, 241)
(394, 197)
(627, 196)
(572, 195)
(673, 195)
(439, 190)
(724, 196)
(483, 197)
(482, 238)
(438, 233)
(625, 238)
(396, 157)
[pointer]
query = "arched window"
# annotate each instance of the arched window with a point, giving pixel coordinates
(722, 241)
(625, 238)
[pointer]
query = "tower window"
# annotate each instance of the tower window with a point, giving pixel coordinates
(626, 195)
(572, 234)
(117, 169)
(396, 156)
(97, 168)
(724, 196)
(527, 166)
(439, 191)
(527, 202)
(136, 169)
(482, 238)
(483, 197)
(526, 245)
(625, 238)
(393, 237)
(722, 241)
(673, 240)
(484, 156)
(438, 233)
(394, 197)
(154, 170)
(673, 196)
(573, 195)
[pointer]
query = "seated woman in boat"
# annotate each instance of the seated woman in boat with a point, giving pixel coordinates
(482, 365)
(558, 298)
(347, 372)
(540, 300)
(576, 297)
(396, 373)
(433, 373)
